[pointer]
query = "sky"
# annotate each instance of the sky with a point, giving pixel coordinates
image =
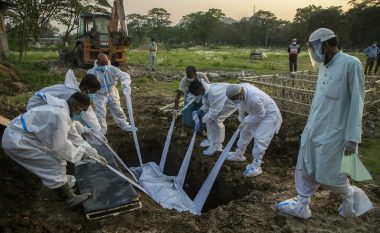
(282, 9)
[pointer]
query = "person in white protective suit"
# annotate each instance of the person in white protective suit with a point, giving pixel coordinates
(216, 108)
(44, 138)
(108, 95)
(260, 119)
(332, 131)
(88, 85)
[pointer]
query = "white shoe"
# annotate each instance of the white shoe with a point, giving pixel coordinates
(298, 207)
(252, 170)
(128, 128)
(354, 203)
(237, 157)
(205, 143)
(213, 149)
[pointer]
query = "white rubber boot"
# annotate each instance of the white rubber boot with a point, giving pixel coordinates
(298, 207)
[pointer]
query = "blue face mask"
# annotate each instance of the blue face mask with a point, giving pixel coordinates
(92, 97)
(78, 117)
(103, 68)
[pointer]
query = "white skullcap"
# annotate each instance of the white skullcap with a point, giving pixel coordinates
(233, 90)
(322, 34)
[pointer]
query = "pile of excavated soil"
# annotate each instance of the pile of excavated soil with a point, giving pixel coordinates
(235, 204)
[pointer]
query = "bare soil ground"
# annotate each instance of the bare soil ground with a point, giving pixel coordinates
(236, 204)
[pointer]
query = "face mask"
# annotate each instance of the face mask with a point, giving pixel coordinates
(78, 117)
(103, 68)
(374, 45)
(190, 79)
(318, 56)
(197, 98)
(92, 96)
(294, 43)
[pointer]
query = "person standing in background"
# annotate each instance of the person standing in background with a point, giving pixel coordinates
(293, 50)
(152, 55)
(371, 53)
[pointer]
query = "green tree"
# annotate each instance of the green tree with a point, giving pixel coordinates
(202, 25)
(137, 25)
(300, 26)
(158, 21)
(73, 8)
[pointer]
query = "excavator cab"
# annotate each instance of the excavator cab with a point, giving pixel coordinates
(94, 36)
(95, 28)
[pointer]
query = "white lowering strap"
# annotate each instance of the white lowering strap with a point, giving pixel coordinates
(134, 133)
(203, 193)
(169, 137)
(186, 161)
(115, 155)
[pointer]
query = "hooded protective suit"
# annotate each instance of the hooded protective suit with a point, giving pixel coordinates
(64, 91)
(217, 108)
(108, 95)
(39, 141)
(262, 122)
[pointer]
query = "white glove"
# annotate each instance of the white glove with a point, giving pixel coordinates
(100, 159)
(241, 118)
(127, 90)
(175, 114)
(206, 118)
(91, 154)
(80, 128)
(243, 123)
(88, 152)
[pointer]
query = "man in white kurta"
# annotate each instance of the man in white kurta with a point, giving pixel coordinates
(333, 128)
(108, 95)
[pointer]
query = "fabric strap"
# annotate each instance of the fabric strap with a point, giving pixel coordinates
(203, 193)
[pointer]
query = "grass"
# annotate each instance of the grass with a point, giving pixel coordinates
(223, 58)
(369, 151)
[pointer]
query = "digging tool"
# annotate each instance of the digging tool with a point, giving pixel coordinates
(169, 136)
(114, 154)
(134, 133)
(120, 174)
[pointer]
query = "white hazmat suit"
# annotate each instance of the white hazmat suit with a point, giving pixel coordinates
(39, 141)
(108, 95)
(64, 91)
(217, 108)
(262, 119)
(335, 117)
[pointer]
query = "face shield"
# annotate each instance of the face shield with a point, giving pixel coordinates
(315, 53)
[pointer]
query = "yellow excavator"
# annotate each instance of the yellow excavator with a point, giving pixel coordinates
(100, 33)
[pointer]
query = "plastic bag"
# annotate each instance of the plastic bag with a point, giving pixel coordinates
(353, 167)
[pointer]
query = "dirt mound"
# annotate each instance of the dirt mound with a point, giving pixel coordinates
(9, 81)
